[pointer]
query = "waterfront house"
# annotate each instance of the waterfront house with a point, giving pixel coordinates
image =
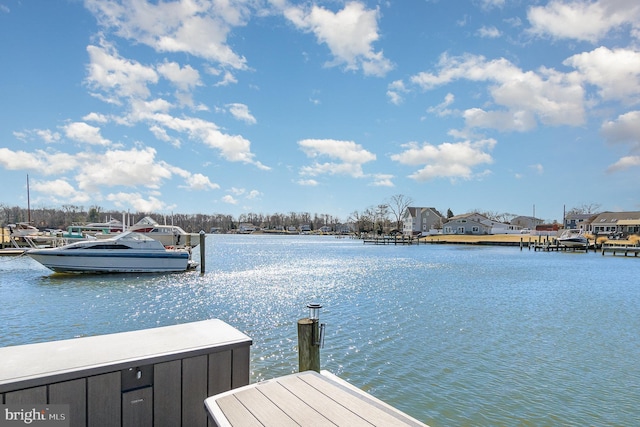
(579, 221)
(616, 223)
(325, 229)
(246, 228)
(346, 228)
(526, 222)
(471, 223)
(418, 220)
(305, 228)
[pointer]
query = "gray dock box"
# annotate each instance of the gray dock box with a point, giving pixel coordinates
(151, 377)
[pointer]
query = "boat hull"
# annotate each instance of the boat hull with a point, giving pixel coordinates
(112, 262)
(574, 242)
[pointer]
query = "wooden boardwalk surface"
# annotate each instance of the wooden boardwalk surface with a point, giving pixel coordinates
(303, 399)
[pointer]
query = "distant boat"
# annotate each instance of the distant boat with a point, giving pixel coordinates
(111, 226)
(573, 238)
(168, 235)
(22, 229)
(127, 252)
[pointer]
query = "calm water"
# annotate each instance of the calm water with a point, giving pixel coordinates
(452, 335)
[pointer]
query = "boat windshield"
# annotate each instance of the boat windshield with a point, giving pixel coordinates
(132, 235)
(107, 246)
(147, 221)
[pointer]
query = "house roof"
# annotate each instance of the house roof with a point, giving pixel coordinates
(467, 215)
(412, 210)
(615, 218)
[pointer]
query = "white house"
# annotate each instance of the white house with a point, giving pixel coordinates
(246, 228)
(471, 223)
(526, 222)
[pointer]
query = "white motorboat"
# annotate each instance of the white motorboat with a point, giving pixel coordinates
(127, 252)
(22, 229)
(573, 238)
(168, 235)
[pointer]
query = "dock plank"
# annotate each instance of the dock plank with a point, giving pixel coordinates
(307, 399)
(263, 409)
(365, 407)
(299, 411)
(235, 413)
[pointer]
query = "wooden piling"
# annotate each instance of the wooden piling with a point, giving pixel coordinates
(202, 251)
(308, 347)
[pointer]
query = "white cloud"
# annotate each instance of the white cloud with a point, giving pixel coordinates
(447, 160)
(60, 190)
(624, 163)
(253, 194)
(308, 182)
(537, 168)
(137, 201)
(626, 128)
(120, 81)
(347, 151)
(547, 96)
(395, 90)
(96, 117)
(615, 72)
(488, 4)
(229, 199)
(227, 79)
(43, 162)
(382, 180)
(489, 32)
(241, 112)
(349, 34)
(127, 168)
(441, 109)
(82, 132)
(45, 135)
(350, 156)
(198, 181)
(116, 76)
(234, 148)
(195, 27)
(184, 78)
(582, 19)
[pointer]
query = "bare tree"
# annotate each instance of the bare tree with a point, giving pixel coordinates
(397, 205)
(585, 209)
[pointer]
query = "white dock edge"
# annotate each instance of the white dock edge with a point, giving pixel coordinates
(306, 398)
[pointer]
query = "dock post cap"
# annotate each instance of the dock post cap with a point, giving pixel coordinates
(314, 311)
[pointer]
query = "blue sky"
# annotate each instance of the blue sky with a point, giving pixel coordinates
(328, 107)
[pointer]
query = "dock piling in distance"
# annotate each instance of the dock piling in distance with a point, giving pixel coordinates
(202, 251)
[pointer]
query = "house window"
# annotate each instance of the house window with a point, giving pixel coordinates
(476, 229)
(460, 230)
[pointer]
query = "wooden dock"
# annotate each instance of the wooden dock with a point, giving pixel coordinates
(620, 249)
(556, 247)
(388, 240)
(306, 398)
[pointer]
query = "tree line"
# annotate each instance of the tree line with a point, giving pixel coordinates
(384, 216)
(381, 218)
